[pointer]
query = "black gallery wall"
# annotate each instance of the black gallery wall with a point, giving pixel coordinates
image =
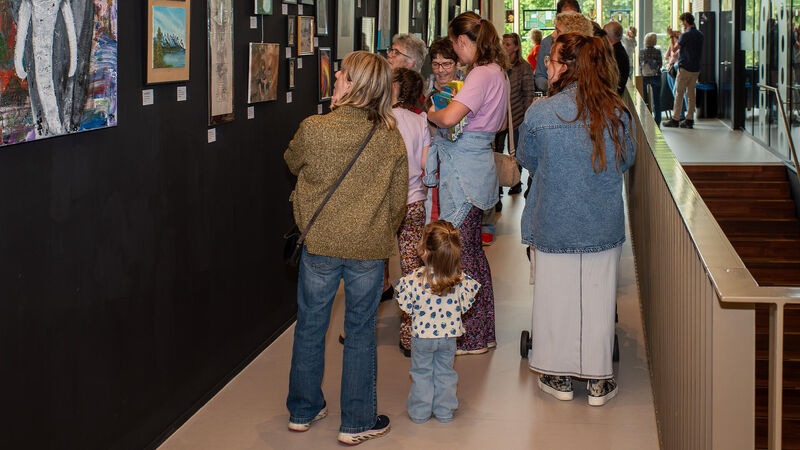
(141, 265)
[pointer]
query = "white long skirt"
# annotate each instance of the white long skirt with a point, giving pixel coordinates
(574, 300)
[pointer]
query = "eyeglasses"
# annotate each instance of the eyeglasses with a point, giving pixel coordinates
(445, 65)
(393, 51)
(548, 60)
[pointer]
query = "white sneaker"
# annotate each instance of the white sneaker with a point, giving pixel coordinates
(305, 426)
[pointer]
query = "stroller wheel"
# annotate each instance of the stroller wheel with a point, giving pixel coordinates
(524, 344)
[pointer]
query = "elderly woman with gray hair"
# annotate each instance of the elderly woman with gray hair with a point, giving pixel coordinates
(650, 67)
(407, 51)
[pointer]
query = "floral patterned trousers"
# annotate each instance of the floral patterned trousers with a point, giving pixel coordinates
(408, 237)
(479, 320)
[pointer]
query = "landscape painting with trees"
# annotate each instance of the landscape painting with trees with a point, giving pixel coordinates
(168, 46)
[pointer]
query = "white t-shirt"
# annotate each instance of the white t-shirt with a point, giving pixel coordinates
(414, 129)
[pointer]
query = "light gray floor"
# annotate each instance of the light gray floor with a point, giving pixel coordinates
(712, 142)
(500, 404)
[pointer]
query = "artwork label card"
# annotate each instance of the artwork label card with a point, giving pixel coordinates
(288, 52)
(212, 135)
(299, 63)
(181, 93)
(299, 10)
(289, 97)
(251, 112)
(147, 97)
(253, 22)
(319, 108)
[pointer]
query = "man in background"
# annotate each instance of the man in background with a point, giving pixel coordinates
(690, 44)
(540, 76)
(614, 33)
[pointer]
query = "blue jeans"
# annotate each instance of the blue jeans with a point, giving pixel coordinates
(655, 82)
(671, 84)
(433, 379)
(316, 288)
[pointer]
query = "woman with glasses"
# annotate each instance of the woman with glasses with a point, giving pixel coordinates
(351, 240)
(574, 218)
(407, 51)
(467, 174)
(444, 66)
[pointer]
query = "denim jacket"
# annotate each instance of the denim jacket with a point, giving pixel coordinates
(467, 174)
(570, 209)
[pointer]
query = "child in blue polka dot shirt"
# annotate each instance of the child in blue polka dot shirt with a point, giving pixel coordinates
(435, 296)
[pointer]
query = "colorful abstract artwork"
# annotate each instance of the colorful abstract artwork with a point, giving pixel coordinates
(325, 86)
(220, 61)
(168, 49)
(262, 85)
(263, 7)
(58, 68)
(305, 35)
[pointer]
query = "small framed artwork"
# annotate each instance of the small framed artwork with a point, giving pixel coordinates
(307, 2)
(345, 27)
(368, 34)
(305, 35)
(325, 86)
(293, 2)
(322, 17)
(168, 35)
(264, 7)
(291, 30)
(262, 84)
(220, 61)
(291, 67)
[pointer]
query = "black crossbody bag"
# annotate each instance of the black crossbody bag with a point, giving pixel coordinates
(293, 247)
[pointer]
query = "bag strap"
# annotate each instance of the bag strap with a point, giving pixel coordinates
(511, 149)
(336, 185)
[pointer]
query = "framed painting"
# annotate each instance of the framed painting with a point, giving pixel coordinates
(293, 2)
(262, 84)
(403, 16)
(384, 24)
(322, 17)
(264, 7)
(168, 34)
(368, 34)
(220, 61)
(345, 29)
(49, 90)
(325, 86)
(431, 22)
(305, 35)
(307, 2)
(292, 63)
(291, 30)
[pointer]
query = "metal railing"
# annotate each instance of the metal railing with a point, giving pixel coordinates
(786, 126)
(698, 307)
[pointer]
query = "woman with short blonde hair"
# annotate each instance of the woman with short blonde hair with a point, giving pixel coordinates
(351, 239)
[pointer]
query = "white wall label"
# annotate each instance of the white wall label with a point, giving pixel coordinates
(147, 97)
(319, 109)
(316, 42)
(212, 135)
(253, 22)
(299, 10)
(181, 94)
(299, 63)
(288, 52)
(289, 97)
(285, 9)
(251, 112)
(336, 66)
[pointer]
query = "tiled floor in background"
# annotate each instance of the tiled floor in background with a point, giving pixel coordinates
(500, 404)
(711, 142)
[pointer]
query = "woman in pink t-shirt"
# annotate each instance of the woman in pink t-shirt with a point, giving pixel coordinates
(407, 86)
(467, 174)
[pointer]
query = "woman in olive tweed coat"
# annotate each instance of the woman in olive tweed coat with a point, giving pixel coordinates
(352, 237)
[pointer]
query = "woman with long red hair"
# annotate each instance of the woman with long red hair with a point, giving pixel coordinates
(576, 143)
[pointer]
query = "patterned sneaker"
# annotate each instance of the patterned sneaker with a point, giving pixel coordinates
(478, 351)
(557, 386)
(305, 426)
(380, 429)
(601, 391)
